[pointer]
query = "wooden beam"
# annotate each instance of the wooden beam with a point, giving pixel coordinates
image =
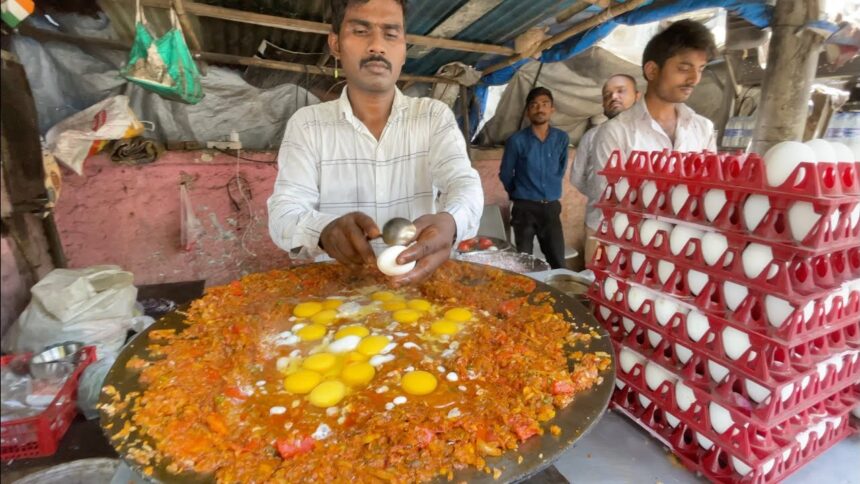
(455, 23)
(572, 11)
(310, 27)
(589, 23)
(43, 35)
(188, 30)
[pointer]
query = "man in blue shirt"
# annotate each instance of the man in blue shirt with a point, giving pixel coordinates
(532, 170)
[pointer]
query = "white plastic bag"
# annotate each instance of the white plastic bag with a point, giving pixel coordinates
(94, 306)
(86, 133)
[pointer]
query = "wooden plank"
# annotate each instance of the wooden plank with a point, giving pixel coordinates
(212, 57)
(589, 23)
(188, 30)
(455, 23)
(320, 28)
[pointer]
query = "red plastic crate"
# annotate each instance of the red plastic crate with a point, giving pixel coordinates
(39, 435)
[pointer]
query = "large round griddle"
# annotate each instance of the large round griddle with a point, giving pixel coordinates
(537, 453)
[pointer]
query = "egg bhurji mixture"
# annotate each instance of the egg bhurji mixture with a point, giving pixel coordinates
(314, 374)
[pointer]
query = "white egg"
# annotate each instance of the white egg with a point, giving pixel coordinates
(704, 442)
(621, 188)
(620, 384)
(683, 353)
(714, 202)
(680, 195)
(628, 358)
(664, 309)
(734, 294)
(697, 325)
(834, 221)
(637, 259)
(654, 338)
(637, 296)
(755, 391)
(714, 245)
(854, 216)
(783, 158)
(612, 252)
(721, 418)
(805, 382)
(684, 396)
(645, 401)
(802, 438)
(718, 372)
(786, 392)
(345, 344)
(801, 219)
(655, 375)
(649, 229)
(756, 258)
(628, 324)
(665, 270)
(735, 342)
(777, 310)
(610, 287)
(649, 190)
(767, 466)
(619, 224)
(604, 311)
(856, 411)
(755, 208)
(680, 236)
(740, 467)
(387, 262)
(842, 152)
(696, 281)
(823, 151)
(672, 420)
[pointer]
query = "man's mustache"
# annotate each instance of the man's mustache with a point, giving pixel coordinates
(375, 58)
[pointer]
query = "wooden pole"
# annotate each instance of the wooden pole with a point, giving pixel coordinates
(47, 35)
(791, 65)
(560, 37)
(310, 27)
(188, 30)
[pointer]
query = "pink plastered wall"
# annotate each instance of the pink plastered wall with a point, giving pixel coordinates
(130, 215)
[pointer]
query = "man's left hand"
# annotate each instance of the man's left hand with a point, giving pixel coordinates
(432, 247)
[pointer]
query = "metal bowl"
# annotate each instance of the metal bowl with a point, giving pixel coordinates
(56, 361)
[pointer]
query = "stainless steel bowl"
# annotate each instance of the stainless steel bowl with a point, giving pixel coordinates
(56, 361)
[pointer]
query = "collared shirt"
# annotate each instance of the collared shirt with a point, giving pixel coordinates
(330, 164)
(532, 169)
(636, 130)
(584, 177)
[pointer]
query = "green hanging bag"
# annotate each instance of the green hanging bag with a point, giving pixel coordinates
(163, 65)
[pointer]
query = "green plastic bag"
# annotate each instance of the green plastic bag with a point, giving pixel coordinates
(163, 65)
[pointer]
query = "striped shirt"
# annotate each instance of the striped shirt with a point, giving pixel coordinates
(330, 164)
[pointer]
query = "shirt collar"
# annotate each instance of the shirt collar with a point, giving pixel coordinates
(397, 107)
(685, 113)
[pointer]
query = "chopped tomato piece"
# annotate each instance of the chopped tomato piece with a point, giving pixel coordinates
(236, 288)
(289, 448)
(234, 392)
(484, 243)
(467, 245)
(524, 427)
(425, 436)
(509, 307)
(563, 387)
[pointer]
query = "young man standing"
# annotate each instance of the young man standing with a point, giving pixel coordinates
(532, 169)
(619, 93)
(348, 166)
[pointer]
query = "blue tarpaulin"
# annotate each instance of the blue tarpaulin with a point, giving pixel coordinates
(757, 12)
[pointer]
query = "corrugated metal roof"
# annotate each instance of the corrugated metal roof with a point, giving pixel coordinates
(424, 16)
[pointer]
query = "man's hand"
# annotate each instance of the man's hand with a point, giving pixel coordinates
(346, 239)
(432, 247)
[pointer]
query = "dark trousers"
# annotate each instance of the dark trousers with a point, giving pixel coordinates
(541, 219)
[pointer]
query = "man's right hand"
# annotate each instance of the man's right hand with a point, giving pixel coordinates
(346, 239)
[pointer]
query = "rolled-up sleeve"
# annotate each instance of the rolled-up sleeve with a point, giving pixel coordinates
(453, 174)
(294, 219)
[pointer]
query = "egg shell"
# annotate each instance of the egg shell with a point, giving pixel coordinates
(714, 201)
(704, 442)
(637, 296)
(649, 228)
(714, 245)
(740, 467)
(620, 223)
(387, 262)
(801, 219)
(605, 312)
(718, 372)
(697, 325)
(696, 281)
(721, 418)
(610, 287)
(680, 195)
(734, 294)
(644, 401)
(649, 190)
(777, 310)
(680, 236)
(665, 308)
(665, 270)
(655, 375)
(612, 252)
(628, 324)
(756, 392)
(628, 358)
(621, 188)
(636, 260)
(683, 353)
(654, 338)
(823, 150)
(782, 159)
(755, 208)
(672, 420)
(842, 152)
(854, 217)
(684, 396)
(756, 258)
(735, 342)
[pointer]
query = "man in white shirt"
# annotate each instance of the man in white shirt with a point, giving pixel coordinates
(672, 63)
(619, 93)
(348, 166)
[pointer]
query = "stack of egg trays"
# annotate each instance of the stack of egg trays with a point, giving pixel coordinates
(779, 381)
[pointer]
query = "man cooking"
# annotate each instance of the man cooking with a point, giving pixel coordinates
(619, 93)
(672, 63)
(531, 171)
(348, 166)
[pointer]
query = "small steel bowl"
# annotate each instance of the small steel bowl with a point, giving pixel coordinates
(55, 361)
